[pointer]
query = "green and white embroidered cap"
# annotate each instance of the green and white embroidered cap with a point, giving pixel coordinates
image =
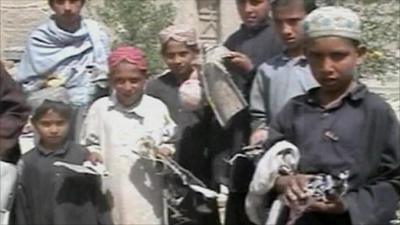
(333, 21)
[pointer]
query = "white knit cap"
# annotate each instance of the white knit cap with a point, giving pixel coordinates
(333, 21)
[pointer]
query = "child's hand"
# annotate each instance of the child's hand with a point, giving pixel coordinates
(164, 152)
(94, 158)
(259, 136)
(293, 187)
(240, 60)
(334, 205)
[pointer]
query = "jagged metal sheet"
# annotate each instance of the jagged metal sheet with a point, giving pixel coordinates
(221, 92)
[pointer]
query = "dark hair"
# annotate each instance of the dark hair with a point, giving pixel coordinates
(309, 5)
(51, 2)
(64, 110)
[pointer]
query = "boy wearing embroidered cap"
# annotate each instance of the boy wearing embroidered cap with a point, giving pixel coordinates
(116, 130)
(341, 126)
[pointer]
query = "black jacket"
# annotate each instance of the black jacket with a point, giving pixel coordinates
(361, 135)
(50, 195)
(13, 115)
(259, 44)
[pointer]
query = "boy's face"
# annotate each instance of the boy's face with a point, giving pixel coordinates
(179, 57)
(128, 82)
(253, 12)
(67, 11)
(333, 61)
(52, 129)
(288, 23)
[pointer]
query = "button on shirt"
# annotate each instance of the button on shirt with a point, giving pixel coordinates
(112, 127)
(277, 81)
(116, 132)
(47, 194)
(192, 128)
(361, 135)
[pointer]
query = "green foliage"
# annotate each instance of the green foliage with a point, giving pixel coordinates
(138, 22)
(381, 36)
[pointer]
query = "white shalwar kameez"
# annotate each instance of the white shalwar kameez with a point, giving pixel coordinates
(134, 188)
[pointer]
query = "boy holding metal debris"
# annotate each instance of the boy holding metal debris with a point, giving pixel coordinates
(337, 127)
(47, 194)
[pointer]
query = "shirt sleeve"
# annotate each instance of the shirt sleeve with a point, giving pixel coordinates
(259, 100)
(375, 202)
(169, 132)
(91, 129)
(282, 122)
(14, 113)
(280, 127)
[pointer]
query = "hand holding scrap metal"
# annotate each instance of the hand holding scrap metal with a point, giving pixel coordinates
(148, 150)
(322, 186)
(319, 188)
(249, 152)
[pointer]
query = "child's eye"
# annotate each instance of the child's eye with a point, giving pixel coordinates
(119, 81)
(183, 54)
(294, 21)
(336, 56)
(60, 123)
(134, 80)
(45, 124)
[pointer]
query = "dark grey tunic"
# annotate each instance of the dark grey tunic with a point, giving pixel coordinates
(14, 112)
(259, 44)
(191, 143)
(361, 134)
(49, 195)
(191, 150)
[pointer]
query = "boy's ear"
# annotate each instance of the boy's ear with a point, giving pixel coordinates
(361, 51)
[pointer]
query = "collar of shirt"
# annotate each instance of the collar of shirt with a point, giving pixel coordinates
(298, 60)
(355, 92)
(252, 31)
(171, 78)
(60, 151)
(138, 109)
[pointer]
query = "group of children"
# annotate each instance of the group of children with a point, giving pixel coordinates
(301, 87)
